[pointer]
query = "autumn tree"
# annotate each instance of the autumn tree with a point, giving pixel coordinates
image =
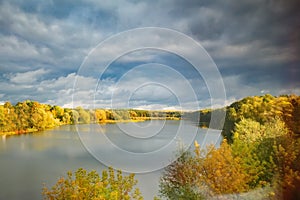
(206, 173)
(90, 185)
(28, 116)
(7, 118)
(22, 110)
(84, 116)
(132, 114)
(263, 109)
(223, 172)
(290, 111)
(286, 155)
(179, 180)
(58, 112)
(100, 115)
(67, 117)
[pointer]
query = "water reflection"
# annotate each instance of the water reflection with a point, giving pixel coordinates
(4, 140)
(115, 146)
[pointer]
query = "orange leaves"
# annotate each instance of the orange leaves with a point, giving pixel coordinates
(223, 172)
(208, 173)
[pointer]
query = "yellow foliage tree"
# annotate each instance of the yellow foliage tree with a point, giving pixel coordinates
(223, 172)
(88, 186)
(100, 115)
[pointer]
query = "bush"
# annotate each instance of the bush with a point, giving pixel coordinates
(89, 186)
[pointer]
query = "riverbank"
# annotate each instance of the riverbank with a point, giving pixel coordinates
(19, 132)
(31, 116)
(108, 121)
(139, 119)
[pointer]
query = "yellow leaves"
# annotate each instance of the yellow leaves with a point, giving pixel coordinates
(272, 161)
(114, 195)
(197, 148)
(91, 186)
(220, 170)
(223, 171)
(264, 152)
(31, 116)
(278, 112)
(100, 115)
(236, 135)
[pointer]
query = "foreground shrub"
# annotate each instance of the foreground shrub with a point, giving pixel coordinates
(89, 186)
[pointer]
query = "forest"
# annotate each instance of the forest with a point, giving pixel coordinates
(31, 116)
(259, 157)
(260, 109)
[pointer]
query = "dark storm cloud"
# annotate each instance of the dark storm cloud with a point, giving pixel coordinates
(240, 21)
(257, 40)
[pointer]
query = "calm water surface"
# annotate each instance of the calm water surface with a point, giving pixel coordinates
(29, 161)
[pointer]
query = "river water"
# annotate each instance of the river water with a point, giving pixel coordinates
(28, 161)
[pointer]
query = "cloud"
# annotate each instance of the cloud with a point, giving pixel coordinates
(13, 47)
(254, 44)
(27, 77)
(58, 91)
(243, 35)
(142, 85)
(32, 39)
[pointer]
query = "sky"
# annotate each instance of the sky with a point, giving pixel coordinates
(77, 53)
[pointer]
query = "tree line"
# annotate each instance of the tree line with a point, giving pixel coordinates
(30, 116)
(257, 108)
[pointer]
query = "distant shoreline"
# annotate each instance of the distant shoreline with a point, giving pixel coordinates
(141, 119)
(138, 120)
(31, 116)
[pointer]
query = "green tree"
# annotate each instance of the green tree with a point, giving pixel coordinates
(254, 145)
(250, 162)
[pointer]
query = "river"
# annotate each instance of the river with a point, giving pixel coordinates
(28, 161)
